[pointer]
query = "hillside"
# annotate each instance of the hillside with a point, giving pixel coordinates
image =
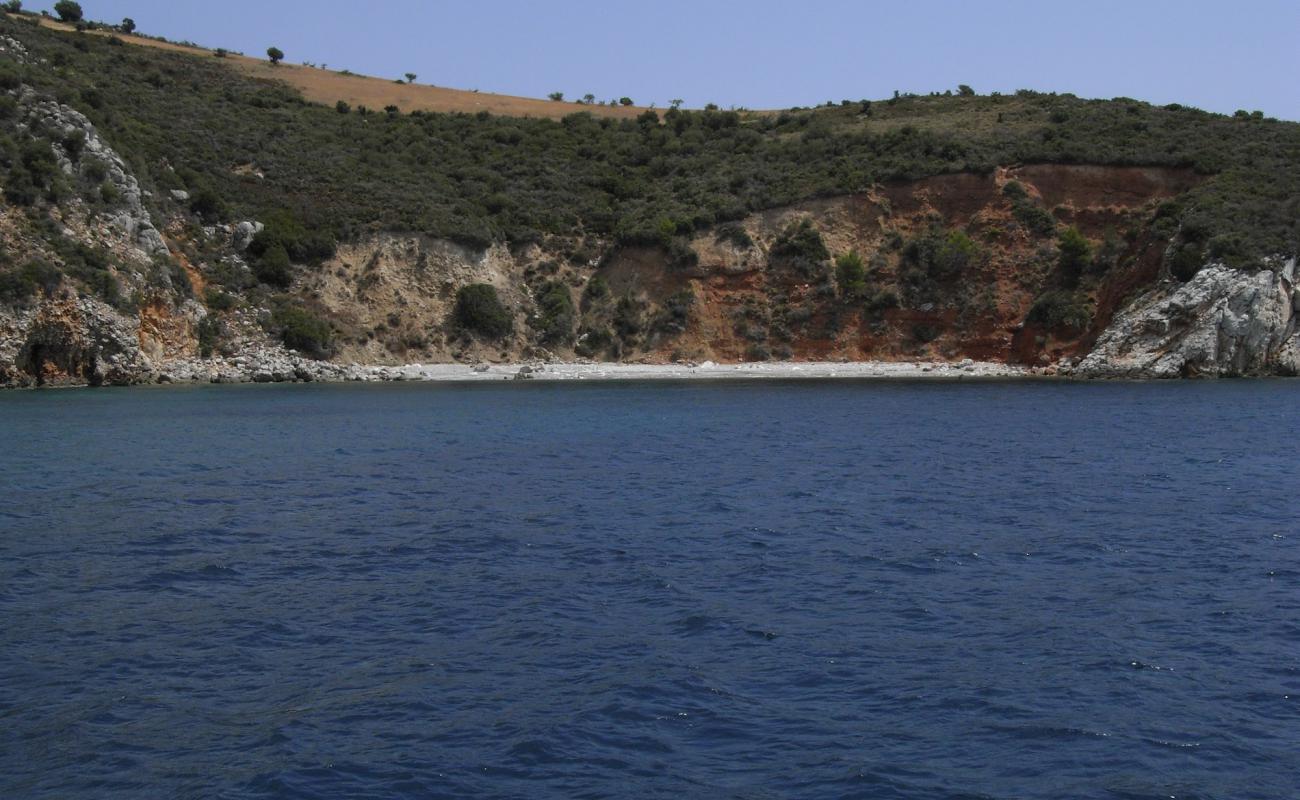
(318, 84)
(181, 211)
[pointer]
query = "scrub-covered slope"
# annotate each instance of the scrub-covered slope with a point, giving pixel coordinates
(166, 214)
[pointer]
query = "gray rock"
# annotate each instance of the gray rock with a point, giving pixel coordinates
(244, 233)
(1222, 322)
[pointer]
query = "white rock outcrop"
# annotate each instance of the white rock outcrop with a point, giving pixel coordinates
(1223, 322)
(130, 216)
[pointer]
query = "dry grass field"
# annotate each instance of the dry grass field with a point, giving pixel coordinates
(328, 86)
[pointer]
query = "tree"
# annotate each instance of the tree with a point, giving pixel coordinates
(626, 101)
(275, 54)
(965, 91)
(588, 98)
(14, 6)
(68, 11)
(128, 25)
(676, 103)
(410, 77)
(851, 273)
(556, 96)
(1076, 252)
(273, 267)
(479, 309)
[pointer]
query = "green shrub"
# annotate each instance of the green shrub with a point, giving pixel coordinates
(34, 276)
(303, 331)
(286, 231)
(594, 342)
(940, 254)
(1185, 260)
(209, 333)
(883, 300)
(800, 241)
(956, 253)
(597, 289)
(925, 334)
(627, 317)
(1033, 217)
(851, 273)
(675, 315)
(479, 310)
(275, 54)
(1064, 311)
(681, 255)
(1075, 252)
(273, 268)
(735, 234)
(206, 204)
(217, 300)
(556, 314)
(74, 143)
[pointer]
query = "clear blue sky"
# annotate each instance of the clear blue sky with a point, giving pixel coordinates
(1216, 54)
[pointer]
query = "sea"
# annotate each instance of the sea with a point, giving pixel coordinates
(759, 589)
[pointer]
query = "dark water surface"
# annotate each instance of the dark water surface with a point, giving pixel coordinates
(875, 590)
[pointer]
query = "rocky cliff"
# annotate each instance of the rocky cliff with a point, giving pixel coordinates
(1222, 322)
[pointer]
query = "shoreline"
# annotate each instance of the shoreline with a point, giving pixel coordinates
(298, 369)
(557, 372)
(611, 372)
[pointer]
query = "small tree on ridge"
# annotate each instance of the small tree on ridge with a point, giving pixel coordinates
(275, 54)
(68, 11)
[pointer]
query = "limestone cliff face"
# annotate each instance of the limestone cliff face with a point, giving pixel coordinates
(1223, 322)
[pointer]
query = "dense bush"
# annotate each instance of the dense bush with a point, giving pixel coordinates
(479, 310)
(735, 234)
(675, 314)
(556, 313)
(941, 254)
(17, 285)
(1068, 312)
(273, 268)
(800, 240)
(207, 204)
(209, 333)
(286, 232)
(851, 274)
(303, 331)
(1075, 252)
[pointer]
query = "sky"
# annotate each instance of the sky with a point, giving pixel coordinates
(1216, 55)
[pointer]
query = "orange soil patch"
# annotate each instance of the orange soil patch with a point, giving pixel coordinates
(327, 87)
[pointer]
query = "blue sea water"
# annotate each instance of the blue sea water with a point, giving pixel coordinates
(750, 590)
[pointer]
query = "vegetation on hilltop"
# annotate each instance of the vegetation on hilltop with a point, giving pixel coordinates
(189, 122)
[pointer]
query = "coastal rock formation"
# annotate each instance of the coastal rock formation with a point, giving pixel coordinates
(71, 340)
(1223, 322)
(129, 215)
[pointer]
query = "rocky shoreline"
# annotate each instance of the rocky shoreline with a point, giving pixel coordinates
(291, 368)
